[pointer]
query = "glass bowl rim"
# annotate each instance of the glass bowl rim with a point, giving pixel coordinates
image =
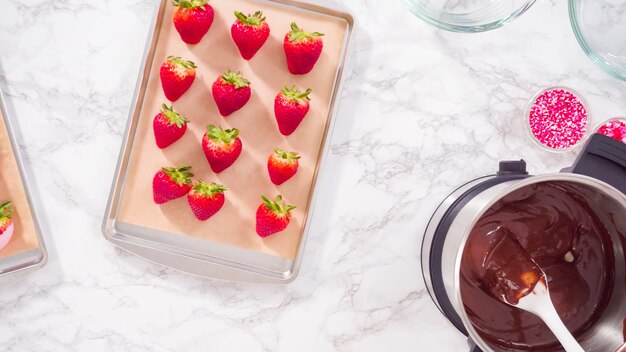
(447, 25)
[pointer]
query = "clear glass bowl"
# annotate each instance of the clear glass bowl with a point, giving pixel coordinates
(468, 15)
(600, 27)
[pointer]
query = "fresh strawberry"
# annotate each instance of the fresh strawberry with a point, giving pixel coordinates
(193, 19)
(272, 216)
(168, 127)
(221, 148)
(282, 166)
(6, 224)
(206, 199)
(249, 33)
(171, 183)
(231, 92)
(302, 49)
(177, 76)
(290, 108)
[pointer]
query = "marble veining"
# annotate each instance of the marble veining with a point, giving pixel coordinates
(422, 111)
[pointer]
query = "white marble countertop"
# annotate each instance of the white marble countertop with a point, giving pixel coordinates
(423, 110)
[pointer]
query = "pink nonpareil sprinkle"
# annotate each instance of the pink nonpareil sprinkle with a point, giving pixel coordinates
(558, 119)
(615, 129)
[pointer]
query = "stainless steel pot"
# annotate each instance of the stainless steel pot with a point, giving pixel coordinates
(600, 176)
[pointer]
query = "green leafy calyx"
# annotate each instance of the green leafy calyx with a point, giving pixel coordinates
(298, 35)
(278, 206)
(6, 211)
(294, 94)
(218, 134)
(178, 61)
(180, 175)
(173, 117)
(290, 156)
(191, 4)
(236, 79)
(209, 189)
(251, 20)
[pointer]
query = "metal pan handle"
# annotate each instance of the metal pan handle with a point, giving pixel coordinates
(603, 158)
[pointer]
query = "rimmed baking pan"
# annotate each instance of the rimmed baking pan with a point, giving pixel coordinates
(22, 248)
(227, 246)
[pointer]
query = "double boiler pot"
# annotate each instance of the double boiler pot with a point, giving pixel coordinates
(572, 223)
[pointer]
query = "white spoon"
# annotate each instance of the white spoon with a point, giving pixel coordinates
(538, 302)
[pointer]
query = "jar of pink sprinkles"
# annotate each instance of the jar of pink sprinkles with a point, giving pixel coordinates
(557, 119)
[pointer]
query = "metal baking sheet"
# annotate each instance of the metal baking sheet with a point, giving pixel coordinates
(226, 246)
(26, 250)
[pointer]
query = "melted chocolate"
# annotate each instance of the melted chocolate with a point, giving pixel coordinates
(559, 231)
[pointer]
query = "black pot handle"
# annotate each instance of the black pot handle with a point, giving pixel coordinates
(473, 347)
(603, 158)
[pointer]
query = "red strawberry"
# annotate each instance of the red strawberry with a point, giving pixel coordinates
(272, 216)
(206, 199)
(302, 49)
(168, 127)
(290, 108)
(6, 224)
(171, 183)
(221, 148)
(193, 19)
(282, 166)
(231, 92)
(177, 76)
(249, 33)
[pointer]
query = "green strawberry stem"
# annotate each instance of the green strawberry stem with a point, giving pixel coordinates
(209, 189)
(286, 155)
(236, 79)
(191, 4)
(180, 175)
(218, 134)
(251, 20)
(6, 211)
(278, 206)
(173, 117)
(178, 61)
(294, 94)
(298, 35)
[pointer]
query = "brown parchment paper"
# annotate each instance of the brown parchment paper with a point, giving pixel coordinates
(12, 189)
(248, 177)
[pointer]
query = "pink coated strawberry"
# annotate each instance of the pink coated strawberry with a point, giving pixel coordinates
(168, 127)
(231, 92)
(282, 166)
(6, 224)
(193, 19)
(171, 183)
(177, 76)
(302, 49)
(206, 199)
(250, 33)
(272, 216)
(221, 147)
(290, 108)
